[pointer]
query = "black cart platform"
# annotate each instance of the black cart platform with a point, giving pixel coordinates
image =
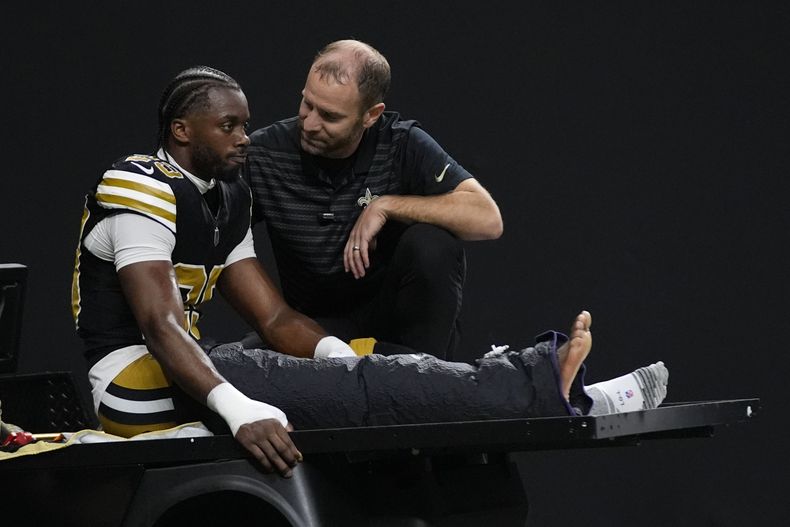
(410, 475)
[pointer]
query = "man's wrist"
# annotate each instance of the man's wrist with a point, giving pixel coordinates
(331, 347)
(237, 409)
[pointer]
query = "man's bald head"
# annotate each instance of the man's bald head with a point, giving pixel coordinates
(354, 61)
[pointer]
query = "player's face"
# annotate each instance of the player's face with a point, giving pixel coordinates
(218, 145)
(330, 117)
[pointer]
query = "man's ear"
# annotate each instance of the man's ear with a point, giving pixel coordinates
(179, 129)
(372, 115)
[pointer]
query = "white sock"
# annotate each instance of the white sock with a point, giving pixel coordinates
(642, 389)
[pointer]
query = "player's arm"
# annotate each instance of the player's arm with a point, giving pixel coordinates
(151, 292)
(252, 293)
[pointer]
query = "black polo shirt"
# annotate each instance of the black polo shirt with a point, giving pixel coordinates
(310, 203)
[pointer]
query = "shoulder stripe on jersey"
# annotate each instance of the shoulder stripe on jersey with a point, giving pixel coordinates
(111, 201)
(150, 184)
(127, 190)
(146, 189)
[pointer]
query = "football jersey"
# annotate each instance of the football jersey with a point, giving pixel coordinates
(154, 188)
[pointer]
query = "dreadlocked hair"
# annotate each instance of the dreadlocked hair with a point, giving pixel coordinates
(189, 90)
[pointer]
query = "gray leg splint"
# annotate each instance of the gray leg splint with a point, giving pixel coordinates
(401, 389)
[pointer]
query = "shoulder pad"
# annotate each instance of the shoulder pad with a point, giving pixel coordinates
(148, 165)
(131, 185)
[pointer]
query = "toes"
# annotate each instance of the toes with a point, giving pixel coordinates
(582, 323)
(586, 319)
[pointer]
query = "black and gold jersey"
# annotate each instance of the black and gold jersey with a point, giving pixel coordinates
(152, 187)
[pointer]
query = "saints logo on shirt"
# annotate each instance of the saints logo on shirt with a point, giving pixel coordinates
(366, 200)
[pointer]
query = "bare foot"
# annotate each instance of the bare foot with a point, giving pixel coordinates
(572, 354)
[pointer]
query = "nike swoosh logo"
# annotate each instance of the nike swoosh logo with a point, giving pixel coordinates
(148, 170)
(440, 177)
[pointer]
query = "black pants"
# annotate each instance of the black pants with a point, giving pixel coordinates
(414, 302)
(419, 302)
(403, 389)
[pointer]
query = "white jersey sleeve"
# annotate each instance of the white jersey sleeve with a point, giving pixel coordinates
(245, 249)
(130, 238)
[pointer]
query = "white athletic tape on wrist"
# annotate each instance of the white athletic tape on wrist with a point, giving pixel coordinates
(237, 409)
(330, 347)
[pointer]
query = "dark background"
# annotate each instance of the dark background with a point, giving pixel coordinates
(638, 152)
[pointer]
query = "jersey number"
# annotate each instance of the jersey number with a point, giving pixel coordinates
(197, 287)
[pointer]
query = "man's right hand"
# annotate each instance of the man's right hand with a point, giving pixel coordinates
(268, 441)
(362, 238)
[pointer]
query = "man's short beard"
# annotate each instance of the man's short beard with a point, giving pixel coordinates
(227, 173)
(208, 165)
